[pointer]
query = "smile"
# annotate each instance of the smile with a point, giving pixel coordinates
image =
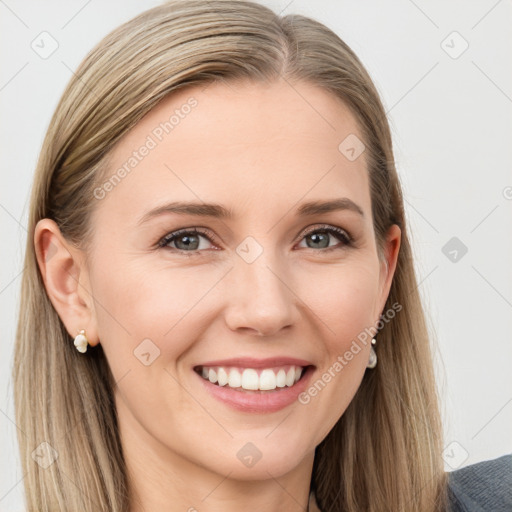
(255, 385)
(252, 379)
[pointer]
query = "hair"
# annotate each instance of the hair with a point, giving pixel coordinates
(384, 453)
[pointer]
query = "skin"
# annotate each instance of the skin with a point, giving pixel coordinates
(260, 150)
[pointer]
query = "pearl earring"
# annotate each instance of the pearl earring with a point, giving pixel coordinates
(81, 341)
(372, 361)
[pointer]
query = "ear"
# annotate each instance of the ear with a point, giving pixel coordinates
(66, 280)
(388, 266)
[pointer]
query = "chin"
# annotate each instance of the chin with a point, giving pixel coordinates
(258, 461)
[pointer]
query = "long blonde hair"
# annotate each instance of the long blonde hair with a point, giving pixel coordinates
(384, 453)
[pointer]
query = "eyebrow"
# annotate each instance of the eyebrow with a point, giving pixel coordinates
(218, 211)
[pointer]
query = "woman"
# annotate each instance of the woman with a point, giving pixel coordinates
(220, 310)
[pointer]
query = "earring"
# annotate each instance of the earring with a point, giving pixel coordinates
(81, 341)
(372, 361)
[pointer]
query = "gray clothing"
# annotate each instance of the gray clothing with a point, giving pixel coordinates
(482, 487)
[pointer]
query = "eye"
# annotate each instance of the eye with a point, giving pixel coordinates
(186, 240)
(320, 237)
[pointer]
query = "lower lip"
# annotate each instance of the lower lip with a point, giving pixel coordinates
(270, 401)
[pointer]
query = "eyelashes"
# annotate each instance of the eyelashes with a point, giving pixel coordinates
(180, 233)
(164, 243)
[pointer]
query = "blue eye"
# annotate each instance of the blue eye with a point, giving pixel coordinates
(190, 239)
(322, 233)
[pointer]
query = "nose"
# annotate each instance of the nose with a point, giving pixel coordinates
(261, 298)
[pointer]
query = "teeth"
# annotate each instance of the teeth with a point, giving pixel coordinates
(267, 379)
(235, 379)
(222, 377)
(281, 379)
(251, 379)
(290, 377)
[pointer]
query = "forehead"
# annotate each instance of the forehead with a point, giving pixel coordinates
(246, 143)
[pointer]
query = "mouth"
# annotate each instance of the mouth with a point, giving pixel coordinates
(271, 379)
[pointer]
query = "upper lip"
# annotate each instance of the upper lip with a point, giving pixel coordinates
(251, 362)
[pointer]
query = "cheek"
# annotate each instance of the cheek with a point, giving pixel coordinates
(136, 302)
(146, 323)
(344, 299)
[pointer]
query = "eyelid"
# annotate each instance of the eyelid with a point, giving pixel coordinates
(175, 234)
(326, 227)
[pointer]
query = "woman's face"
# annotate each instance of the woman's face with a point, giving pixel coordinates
(266, 287)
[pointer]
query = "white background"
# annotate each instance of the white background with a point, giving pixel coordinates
(452, 125)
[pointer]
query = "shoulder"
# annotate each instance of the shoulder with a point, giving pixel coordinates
(481, 487)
